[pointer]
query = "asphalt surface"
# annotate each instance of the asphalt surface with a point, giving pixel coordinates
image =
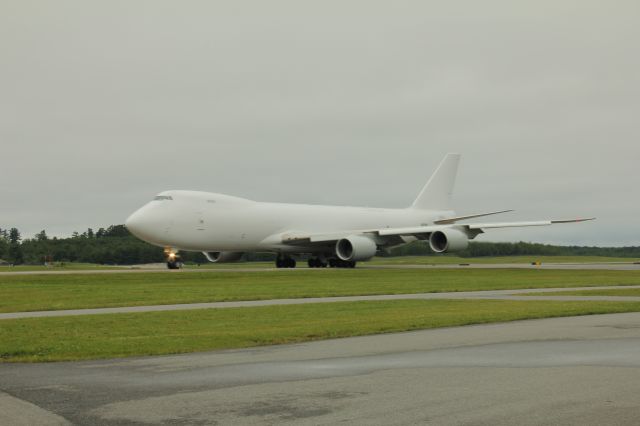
(562, 371)
(622, 266)
(522, 294)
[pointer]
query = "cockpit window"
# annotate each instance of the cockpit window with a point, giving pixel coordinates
(163, 197)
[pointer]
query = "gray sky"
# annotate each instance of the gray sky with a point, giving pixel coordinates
(103, 104)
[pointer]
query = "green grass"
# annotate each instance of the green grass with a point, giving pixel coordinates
(20, 293)
(71, 266)
(628, 292)
(157, 333)
(455, 260)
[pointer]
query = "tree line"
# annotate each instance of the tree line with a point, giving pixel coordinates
(116, 246)
(112, 245)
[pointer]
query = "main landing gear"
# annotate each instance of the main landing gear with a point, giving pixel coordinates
(316, 262)
(285, 262)
(339, 263)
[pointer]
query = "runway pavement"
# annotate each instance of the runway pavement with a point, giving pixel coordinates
(520, 294)
(568, 371)
(553, 266)
(622, 266)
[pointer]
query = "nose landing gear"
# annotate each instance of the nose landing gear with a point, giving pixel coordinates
(174, 261)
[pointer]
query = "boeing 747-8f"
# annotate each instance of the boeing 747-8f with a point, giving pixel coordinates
(225, 227)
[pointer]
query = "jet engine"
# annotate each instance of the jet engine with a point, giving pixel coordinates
(356, 248)
(222, 256)
(448, 240)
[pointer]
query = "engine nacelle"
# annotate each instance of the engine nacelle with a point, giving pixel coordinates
(222, 256)
(448, 240)
(356, 248)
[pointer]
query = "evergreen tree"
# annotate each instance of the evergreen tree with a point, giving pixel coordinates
(15, 251)
(14, 236)
(4, 243)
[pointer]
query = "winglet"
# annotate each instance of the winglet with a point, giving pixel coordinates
(436, 194)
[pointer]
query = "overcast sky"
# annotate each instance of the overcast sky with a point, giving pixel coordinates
(105, 103)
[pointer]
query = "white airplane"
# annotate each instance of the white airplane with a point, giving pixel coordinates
(224, 227)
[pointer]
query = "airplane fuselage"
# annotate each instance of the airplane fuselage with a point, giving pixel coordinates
(209, 222)
(225, 227)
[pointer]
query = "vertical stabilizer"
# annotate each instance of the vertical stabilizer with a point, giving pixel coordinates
(436, 194)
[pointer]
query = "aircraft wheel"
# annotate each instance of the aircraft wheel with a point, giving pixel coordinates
(316, 262)
(286, 262)
(339, 263)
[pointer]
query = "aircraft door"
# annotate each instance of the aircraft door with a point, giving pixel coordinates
(200, 222)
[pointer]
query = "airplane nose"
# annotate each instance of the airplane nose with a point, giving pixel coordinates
(148, 224)
(134, 222)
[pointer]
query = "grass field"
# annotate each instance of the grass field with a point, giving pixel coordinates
(124, 335)
(20, 293)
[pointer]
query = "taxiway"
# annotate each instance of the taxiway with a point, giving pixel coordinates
(570, 371)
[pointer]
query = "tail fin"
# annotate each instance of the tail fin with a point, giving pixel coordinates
(436, 195)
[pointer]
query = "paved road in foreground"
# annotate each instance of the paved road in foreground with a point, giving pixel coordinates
(487, 295)
(569, 371)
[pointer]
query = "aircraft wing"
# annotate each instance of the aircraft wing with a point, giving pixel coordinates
(524, 224)
(473, 216)
(420, 232)
(473, 226)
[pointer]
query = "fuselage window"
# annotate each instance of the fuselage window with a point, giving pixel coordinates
(163, 198)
